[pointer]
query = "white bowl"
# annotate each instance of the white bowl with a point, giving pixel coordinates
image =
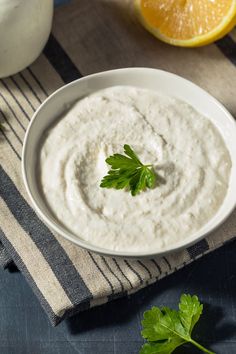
(160, 81)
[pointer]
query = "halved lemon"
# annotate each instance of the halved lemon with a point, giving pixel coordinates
(187, 23)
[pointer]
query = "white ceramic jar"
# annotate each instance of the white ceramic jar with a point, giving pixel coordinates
(24, 29)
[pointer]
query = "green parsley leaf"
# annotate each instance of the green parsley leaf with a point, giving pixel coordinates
(166, 329)
(190, 311)
(128, 172)
(160, 348)
(129, 152)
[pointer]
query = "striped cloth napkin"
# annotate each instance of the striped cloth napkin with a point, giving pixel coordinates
(65, 278)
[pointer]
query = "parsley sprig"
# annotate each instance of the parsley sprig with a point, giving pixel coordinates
(166, 329)
(128, 172)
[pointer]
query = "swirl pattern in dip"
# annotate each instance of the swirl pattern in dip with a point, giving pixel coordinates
(187, 152)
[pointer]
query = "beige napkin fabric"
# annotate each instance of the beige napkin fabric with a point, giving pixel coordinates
(92, 36)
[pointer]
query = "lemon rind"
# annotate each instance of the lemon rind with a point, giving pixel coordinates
(222, 29)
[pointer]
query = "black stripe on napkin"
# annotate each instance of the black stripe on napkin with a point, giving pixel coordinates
(117, 296)
(103, 274)
(37, 80)
(198, 249)
(20, 264)
(134, 271)
(228, 48)
(11, 127)
(10, 144)
(157, 265)
(61, 61)
(15, 99)
(113, 273)
(14, 114)
(30, 87)
(167, 262)
(22, 92)
(145, 268)
(60, 263)
(123, 274)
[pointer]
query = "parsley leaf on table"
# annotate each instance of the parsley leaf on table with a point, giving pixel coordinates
(128, 172)
(166, 329)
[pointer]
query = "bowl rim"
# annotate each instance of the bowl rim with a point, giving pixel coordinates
(61, 230)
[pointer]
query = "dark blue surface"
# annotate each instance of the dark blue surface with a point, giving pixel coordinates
(61, 2)
(115, 328)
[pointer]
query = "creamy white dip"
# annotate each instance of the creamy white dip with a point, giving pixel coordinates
(186, 149)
